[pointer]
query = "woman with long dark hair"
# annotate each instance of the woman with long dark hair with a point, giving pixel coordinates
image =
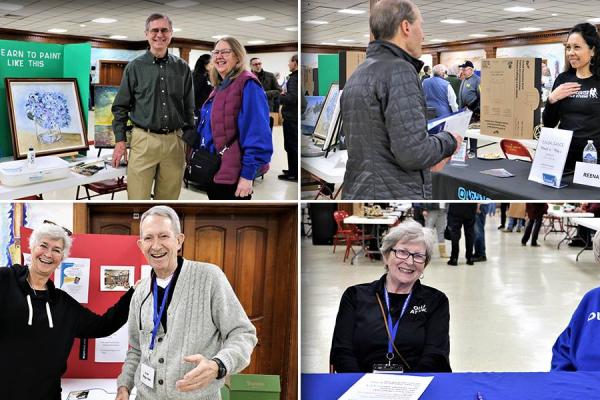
(201, 81)
(575, 101)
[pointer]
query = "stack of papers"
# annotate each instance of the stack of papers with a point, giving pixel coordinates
(388, 387)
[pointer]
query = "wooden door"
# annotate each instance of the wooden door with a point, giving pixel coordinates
(111, 72)
(256, 248)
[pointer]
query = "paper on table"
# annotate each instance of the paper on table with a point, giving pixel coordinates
(387, 387)
(499, 172)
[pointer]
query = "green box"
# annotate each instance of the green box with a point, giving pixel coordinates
(251, 387)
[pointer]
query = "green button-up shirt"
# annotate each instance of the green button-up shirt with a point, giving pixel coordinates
(155, 94)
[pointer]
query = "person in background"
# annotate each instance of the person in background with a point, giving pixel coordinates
(479, 253)
(439, 93)
(576, 348)
(187, 328)
(201, 81)
(289, 111)
(268, 82)
(516, 217)
(469, 97)
(426, 73)
(535, 215)
(436, 217)
(452, 77)
(584, 234)
(39, 322)
(238, 111)
(574, 102)
(461, 215)
(395, 319)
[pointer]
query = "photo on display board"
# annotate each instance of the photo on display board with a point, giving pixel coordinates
(314, 105)
(46, 115)
(116, 278)
(326, 117)
(104, 136)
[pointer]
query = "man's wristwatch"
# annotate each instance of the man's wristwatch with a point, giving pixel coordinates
(222, 369)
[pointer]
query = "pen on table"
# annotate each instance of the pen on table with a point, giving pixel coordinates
(478, 396)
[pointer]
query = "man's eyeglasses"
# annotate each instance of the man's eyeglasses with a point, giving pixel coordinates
(155, 31)
(224, 52)
(402, 254)
(68, 232)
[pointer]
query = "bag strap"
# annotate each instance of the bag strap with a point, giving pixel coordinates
(228, 145)
(387, 329)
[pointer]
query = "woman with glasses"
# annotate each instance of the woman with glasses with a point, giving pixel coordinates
(39, 322)
(395, 323)
(234, 121)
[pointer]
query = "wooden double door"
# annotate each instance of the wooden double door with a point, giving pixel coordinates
(255, 246)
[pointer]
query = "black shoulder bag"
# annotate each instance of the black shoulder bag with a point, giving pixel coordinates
(203, 165)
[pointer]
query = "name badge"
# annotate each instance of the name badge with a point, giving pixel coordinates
(147, 375)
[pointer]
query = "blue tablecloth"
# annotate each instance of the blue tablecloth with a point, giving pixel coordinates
(464, 386)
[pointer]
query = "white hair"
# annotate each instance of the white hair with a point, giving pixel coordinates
(53, 232)
(409, 231)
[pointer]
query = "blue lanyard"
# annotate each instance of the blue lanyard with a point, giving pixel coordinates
(393, 329)
(157, 315)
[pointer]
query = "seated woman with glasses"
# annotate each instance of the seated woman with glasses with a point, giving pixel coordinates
(234, 121)
(40, 322)
(395, 323)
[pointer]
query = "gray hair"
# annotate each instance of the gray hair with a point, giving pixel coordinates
(453, 70)
(409, 231)
(154, 17)
(387, 15)
(596, 245)
(52, 232)
(439, 70)
(163, 211)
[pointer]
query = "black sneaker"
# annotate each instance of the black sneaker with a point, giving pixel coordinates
(501, 227)
(285, 177)
(470, 261)
(453, 262)
(479, 259)
(535, 245)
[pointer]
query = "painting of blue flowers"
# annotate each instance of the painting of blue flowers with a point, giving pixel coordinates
(46, 115)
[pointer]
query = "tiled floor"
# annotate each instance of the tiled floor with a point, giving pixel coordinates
(505, 314)
(269, 188)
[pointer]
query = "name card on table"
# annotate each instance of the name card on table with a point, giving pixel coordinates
(587, 174)
(550, 156)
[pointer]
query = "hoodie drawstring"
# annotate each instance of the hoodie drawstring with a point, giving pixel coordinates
(30, 310)
(48, 313)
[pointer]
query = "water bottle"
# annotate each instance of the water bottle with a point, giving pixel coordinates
(31, 158)
(589, 153)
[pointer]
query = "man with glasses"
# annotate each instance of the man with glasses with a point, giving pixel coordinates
(268, 82)
(156, 95)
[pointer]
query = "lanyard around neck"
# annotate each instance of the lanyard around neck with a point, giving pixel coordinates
(393, 328)
(158, 313)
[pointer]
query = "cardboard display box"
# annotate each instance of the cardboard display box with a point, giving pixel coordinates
(510, 97)
(251, 387)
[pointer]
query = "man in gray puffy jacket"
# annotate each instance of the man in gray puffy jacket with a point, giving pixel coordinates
(390, 153)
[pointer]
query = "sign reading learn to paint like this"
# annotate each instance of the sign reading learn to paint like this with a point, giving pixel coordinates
(28, 58)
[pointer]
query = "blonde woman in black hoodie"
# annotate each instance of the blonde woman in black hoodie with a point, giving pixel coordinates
(39, 322)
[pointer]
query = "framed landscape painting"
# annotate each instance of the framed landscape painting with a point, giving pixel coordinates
(327, 112)
(46, 115)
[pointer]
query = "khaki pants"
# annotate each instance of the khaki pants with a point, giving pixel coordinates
(155, 158)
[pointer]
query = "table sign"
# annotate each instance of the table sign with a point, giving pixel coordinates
(587, 174)
(550, 156)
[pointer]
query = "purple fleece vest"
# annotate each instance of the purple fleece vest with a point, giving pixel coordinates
(223, 123)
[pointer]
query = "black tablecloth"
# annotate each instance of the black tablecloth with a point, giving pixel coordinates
(468, 183)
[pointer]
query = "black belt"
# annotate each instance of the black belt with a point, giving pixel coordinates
(158, 132)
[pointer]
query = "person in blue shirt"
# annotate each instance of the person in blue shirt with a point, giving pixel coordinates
(236, 117)
(576, 349)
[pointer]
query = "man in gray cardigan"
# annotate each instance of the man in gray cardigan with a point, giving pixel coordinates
(187, 329)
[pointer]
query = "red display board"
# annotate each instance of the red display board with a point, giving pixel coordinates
(121, 250)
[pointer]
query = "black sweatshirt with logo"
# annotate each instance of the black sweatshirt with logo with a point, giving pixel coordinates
(360, 339)
(37, 330)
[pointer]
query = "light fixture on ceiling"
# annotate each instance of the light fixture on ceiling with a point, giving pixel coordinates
(176, 29)
(530, 29)
(82, 25)
(478, 35)
(328, 43)
(219, 36)
(554, 14)
(57, 30)
(181, 3)
(292, 29)
(367, 35)
(519, 9)
(256, 42)
(316, 22)
(10, 6)
(351, 11)
(346, 40)
(438, 40)
(120, 37)
(104, 20)
(251, 18)
(594, 20)
(453, 21)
